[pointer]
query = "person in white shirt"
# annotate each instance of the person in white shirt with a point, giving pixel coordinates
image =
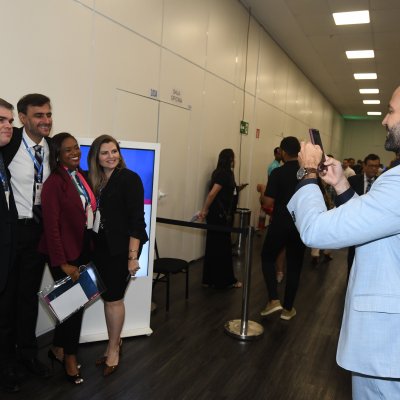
(27, 158)
(347, 170)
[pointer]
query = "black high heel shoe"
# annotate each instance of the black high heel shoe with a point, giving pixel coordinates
(74, 379)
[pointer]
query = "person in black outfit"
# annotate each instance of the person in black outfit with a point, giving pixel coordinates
(8, 223)
(120, 234)
(218, 264)
(282, 232)
(27, 158)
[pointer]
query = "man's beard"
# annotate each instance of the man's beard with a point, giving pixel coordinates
(392, 142)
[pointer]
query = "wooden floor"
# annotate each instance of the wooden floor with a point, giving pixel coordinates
(190, 357)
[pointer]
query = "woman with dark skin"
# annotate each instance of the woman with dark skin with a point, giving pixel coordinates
(218, 210)
(68, 205)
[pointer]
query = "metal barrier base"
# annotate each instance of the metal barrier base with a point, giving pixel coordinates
(253, 331)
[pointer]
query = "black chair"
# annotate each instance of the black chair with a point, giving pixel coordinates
(163, 267)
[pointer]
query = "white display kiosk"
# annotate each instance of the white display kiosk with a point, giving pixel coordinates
(144, 159)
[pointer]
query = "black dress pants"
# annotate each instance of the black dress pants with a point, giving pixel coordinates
(66, 334)
(7, 319)
(282, 234)
(29, 266)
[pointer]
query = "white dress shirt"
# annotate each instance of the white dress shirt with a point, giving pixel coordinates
(22, 172)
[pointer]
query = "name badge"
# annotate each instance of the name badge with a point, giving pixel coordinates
(89, 217)
(38, 194)
(96, 224)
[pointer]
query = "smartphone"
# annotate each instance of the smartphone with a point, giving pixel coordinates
(316, 139)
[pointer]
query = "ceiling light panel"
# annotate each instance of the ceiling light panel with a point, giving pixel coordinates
(369, 91)
(351, 18)
(371, 101)
(374, 113)
(354, 54)
(366, 76)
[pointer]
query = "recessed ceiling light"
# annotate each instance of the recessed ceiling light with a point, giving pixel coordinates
(351, 18)
(374, 113)
(371, 101)
(366, 76)
(360, 54)
(369, 91)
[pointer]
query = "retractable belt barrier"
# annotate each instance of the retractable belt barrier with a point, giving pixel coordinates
(242, 328)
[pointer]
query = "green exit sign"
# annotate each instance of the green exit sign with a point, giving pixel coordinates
(244, 127)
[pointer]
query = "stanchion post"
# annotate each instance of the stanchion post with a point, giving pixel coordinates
(243, 329)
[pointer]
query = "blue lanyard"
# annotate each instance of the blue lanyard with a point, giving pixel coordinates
(81, 189)
(38, 167)
(4, 181)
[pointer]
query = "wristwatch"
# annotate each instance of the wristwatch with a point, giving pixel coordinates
(304, 171)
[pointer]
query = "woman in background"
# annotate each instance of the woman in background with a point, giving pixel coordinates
(218, 210)
(120, 234)
(68, 205)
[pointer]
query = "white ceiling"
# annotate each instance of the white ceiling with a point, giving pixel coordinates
(305, 30)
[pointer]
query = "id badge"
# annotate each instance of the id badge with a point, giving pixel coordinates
(38, 194)
(89, 217)
(96, 224)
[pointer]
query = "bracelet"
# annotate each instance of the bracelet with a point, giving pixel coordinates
(132, 258)
(133, 251)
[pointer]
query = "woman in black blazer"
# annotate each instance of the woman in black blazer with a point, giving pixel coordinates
(121, 233)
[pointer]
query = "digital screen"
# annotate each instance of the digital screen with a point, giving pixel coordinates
(141, 161)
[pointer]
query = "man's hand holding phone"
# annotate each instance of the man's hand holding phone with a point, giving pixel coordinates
(316, 140)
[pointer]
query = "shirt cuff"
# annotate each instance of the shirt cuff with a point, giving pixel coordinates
(306, 182)
(344, 197)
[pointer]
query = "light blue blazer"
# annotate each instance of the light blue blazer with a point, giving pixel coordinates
(369, 340)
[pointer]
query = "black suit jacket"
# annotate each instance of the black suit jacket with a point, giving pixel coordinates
(357, 183)
(8, 224)
(122, 210)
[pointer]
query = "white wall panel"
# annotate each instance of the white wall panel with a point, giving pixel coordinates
(143, 17)
(173, 136)
(253, 55)
(49, 57)
(121, 60)
(185, 29)
(227, 34)
(135, 118)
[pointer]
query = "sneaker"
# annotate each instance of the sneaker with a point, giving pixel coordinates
(271, 307)
(288, 314)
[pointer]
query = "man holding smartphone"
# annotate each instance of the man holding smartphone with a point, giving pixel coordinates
(369, 344)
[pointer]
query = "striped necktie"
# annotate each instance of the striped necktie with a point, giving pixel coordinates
(37, 209)
(370, 181)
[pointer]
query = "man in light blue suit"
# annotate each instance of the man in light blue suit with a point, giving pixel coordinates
(369, 343)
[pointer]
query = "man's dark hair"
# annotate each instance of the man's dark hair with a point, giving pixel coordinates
(276, 150)
(6, 104)
(33, 99)
(371, 157)
(291, 146)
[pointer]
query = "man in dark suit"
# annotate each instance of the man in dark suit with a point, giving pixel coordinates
(8, 221)
(361, 184)
(27, 157)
